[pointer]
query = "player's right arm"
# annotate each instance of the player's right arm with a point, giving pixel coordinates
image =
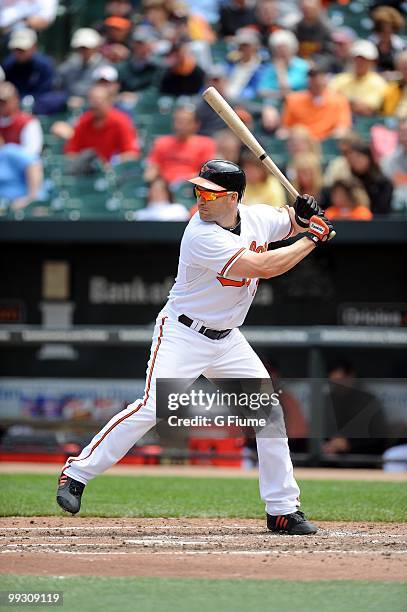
(279, 261)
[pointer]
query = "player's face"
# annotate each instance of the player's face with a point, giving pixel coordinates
(212, 205)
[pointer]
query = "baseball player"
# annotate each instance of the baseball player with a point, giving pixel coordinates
(223, 255)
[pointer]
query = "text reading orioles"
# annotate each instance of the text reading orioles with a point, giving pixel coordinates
(228, 282)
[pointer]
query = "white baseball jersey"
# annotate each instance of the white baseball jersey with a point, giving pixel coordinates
(203, 288)
(204, 291)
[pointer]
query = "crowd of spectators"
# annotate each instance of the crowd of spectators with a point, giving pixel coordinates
(297, 78)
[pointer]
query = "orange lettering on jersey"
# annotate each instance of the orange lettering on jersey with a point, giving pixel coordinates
(262, 248)
(227, 282)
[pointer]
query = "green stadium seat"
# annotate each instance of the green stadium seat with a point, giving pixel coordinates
(161, 125)
(363, 125)
(93, 206)
(329, 149)
(219, 51)
(131, 205)
(276, 148)
(128, 180)
(147, 101)
(183, 194)
(52, 144)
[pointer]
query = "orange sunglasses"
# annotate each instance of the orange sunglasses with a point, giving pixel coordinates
(209, 196)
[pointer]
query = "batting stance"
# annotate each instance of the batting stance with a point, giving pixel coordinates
(222, 257)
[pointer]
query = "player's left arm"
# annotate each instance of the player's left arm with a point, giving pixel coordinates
(274, 263)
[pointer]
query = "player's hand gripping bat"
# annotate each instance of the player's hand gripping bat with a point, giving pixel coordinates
(226, 112)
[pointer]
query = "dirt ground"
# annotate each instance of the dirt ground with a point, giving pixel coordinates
(201, 548)
(215, 548)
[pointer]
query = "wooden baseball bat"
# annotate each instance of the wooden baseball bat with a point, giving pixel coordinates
(226, 112)
(229, 116)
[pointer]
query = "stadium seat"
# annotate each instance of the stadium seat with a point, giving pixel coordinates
(183, 194)
(219, 51)
(362, 125)
(276, 148)
(147, 101)
(329, 149)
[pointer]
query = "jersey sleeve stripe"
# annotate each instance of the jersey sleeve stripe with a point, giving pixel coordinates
(232, 260)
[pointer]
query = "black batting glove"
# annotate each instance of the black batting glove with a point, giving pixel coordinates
(305, 207)
(320, 230)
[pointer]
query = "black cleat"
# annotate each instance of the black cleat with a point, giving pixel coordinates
(69, 493)
(291, 524)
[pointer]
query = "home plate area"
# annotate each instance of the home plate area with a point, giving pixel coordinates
(223, 548)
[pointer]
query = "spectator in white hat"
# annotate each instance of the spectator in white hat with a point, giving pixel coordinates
(108, 77)
(286, 72)
(141, 70)
(363, 86)
(244, 74)
(30, 71)
(75, 75)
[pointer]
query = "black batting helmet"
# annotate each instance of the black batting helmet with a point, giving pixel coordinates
(221, 175)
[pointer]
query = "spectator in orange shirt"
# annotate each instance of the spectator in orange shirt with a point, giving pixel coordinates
(325, 113)
(349, 201)
(106, 130)
(178, 156)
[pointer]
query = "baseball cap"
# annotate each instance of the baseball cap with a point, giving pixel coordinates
(364, 48)
(246, 36)
(344, 35)
(121, 23)
(22, 39)
(105, 73)
(86, 37)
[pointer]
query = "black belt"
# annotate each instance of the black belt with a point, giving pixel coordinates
(213, 334)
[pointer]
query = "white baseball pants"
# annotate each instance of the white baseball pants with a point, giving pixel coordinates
(180, 352)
